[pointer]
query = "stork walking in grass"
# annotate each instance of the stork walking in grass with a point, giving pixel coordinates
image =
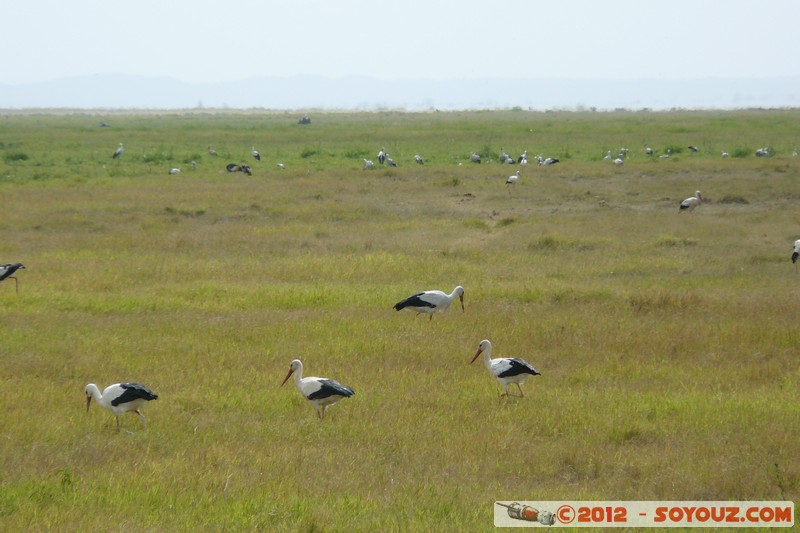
(321, 392)
(255, 154)
(431, 301)
(795, 253)
(7, 272)
(512, 180)
(121, 398)
(118, 151)
(692, 202)
(505, 370)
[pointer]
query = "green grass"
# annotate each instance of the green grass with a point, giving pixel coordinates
(667, 341)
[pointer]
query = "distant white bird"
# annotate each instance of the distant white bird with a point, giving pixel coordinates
(694, 149)
(211, 151)
(281, 166)
(648, 150)
(7, 271)
(120, 398)
(175, 170)
(795, 253)
(523, 157)
(118, 151)
(382, 155)
(255, 154)
(475, 158)
(762, 152)
(321, 392)
(368, 164)
(692, 202)
(608, 156)
(725, 154)
(419, 160)
(512, 180)
(619, 161)
(390, 161)
(431, 301)
(794, 153)
(194, 165)
(505, 370)
(548, 161)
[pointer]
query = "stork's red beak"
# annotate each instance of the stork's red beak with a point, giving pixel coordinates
(480, 351)
(461, 297)
(88, 401)
(291, 371)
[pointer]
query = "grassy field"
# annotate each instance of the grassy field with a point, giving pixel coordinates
(668, 342)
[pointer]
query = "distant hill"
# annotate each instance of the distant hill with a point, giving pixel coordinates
(117, 91)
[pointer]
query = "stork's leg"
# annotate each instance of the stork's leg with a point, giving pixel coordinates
(144, 422)
(16, 283)
(521, 394)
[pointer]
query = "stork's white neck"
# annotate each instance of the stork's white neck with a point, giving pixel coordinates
(96, 395)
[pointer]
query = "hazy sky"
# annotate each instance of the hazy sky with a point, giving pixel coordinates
(202, 41)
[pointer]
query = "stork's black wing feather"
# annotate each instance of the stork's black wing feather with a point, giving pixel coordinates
(331, 387)
(517, 366)
(133, 391)
(414, 300)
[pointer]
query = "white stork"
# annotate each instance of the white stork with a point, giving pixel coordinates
(419, 160)
(121, 398)
(368, 164)
(382, 155)
(619, 162)
(608, 156)
(211, 151)
(7, 272)
(648, 150)
(431, 301)
(281, 166)
(118, 151)
(506, 370)
(321, 392)
(693, 201)
(512, 180)
(694, 149)
(475, 158)
(255, 154)
(795, 253)
(175, 170)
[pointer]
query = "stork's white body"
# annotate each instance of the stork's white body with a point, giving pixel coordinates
(795, 253)
(512, 180)
(692, 202)
(321, 392)
(255, 154)
(431, 301)
(120, 398)
(506, 370)
(118, 151)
